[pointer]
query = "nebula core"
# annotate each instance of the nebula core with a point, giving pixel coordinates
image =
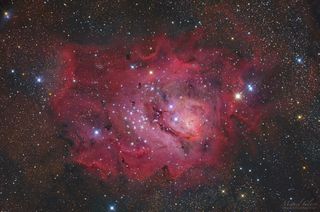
(163, 104)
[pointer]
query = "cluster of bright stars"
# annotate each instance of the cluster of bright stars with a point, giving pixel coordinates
(223, 191)
(38, 79)
(239, 95)
(6, 15)
(135, 66)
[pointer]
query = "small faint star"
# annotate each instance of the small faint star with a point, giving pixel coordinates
(299, 117)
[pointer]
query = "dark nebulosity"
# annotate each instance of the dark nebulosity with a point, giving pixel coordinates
(159, 105)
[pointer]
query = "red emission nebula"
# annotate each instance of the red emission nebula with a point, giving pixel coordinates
(164, 104)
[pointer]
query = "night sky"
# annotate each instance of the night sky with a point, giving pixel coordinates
(159, 105)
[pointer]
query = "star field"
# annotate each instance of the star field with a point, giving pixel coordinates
(159, 105)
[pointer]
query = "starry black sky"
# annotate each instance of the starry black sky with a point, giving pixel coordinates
(280, 170)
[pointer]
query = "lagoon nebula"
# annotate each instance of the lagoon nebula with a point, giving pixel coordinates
(129, 105)
(166, 104)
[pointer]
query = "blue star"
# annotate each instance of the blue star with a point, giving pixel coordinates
(97, 132)
(299, 60)
(133, 66)
(250, 87)
(112, 207)
(39, 79)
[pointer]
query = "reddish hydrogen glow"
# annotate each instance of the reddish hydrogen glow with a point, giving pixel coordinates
(163, 104)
